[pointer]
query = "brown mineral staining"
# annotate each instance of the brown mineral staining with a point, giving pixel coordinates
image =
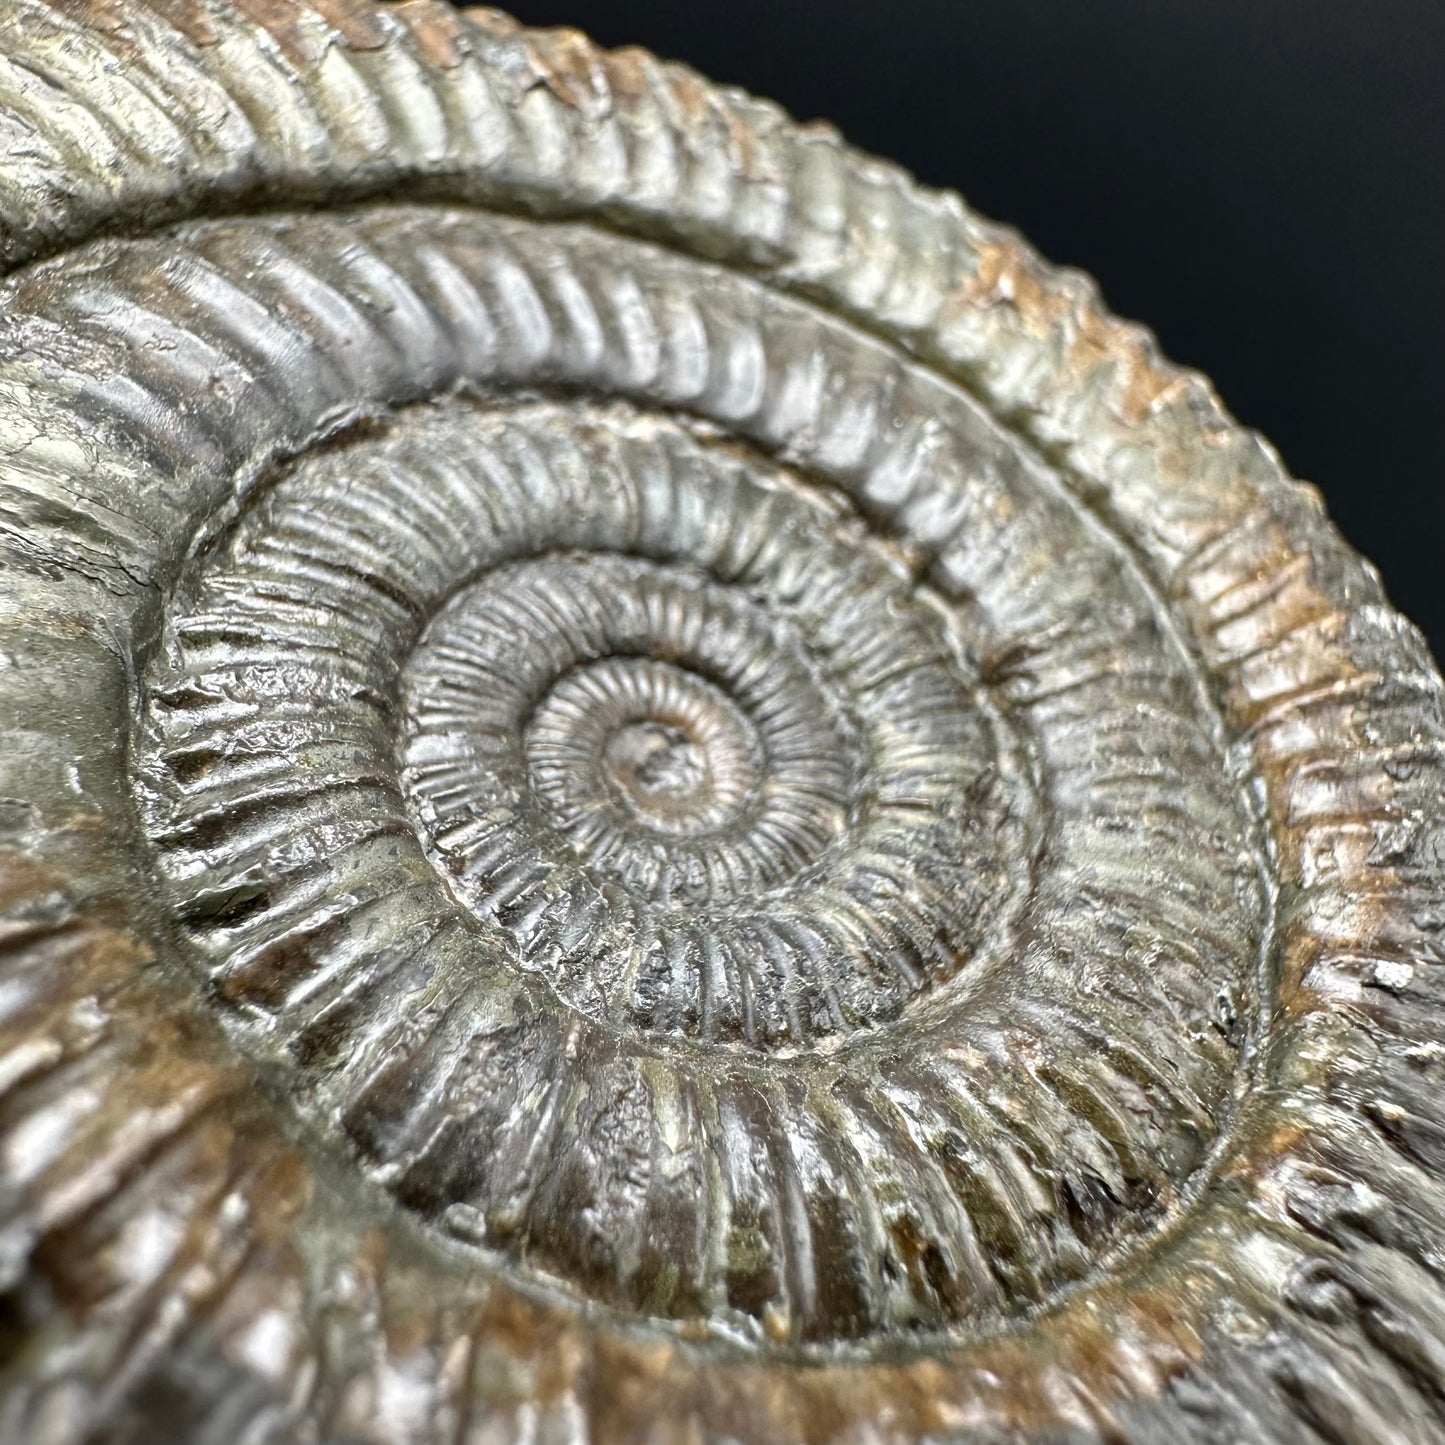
(1007, 274)
(299, 27)
(111, 16)
(193, 18)
(285, 21)
(436, 31)
(630, 72)
(760, 868)
(1004, 275)
(361, 25)
(489, 20)
(568, 64)
(1262, 1150)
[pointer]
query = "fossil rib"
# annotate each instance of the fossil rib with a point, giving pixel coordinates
(654, 787)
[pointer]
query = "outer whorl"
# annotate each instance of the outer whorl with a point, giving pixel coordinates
(654, 787)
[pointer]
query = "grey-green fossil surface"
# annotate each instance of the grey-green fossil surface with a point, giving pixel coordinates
(653, 787)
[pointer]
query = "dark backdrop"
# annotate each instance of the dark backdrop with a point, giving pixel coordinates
(1261, 181)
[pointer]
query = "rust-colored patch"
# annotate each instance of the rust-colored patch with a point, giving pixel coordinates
(1144, 385)
(569, 65)
(39, 908)
(177, 1141)
(1007, 274)
(1127, 1350)
(285, 22)
(629, 73)
(22, 880)
(488, 17)
(1150, 389)
(747, 153)
(1277, 643)
(191, 17)
(292, 25)
(692, 96)
(1004, 276)
(435, 31)
(111, 16)
(358, 23)
(1259, 1150)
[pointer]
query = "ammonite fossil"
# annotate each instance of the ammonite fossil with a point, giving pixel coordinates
(654, 787)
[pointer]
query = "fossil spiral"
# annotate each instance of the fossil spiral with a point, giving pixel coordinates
(654, 787)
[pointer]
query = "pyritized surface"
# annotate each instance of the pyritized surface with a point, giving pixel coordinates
(652, 782)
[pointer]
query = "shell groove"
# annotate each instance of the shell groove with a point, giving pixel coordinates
(654, 783)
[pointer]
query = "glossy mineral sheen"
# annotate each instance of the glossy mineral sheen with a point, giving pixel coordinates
(655, 788)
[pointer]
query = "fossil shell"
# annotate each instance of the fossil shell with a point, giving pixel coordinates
(654, 787)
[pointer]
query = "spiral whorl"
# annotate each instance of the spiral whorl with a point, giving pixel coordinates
(652, 782)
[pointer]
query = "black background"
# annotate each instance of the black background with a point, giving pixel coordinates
(1261, 181)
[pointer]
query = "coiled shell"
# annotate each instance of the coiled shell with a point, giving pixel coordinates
(655, 787)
